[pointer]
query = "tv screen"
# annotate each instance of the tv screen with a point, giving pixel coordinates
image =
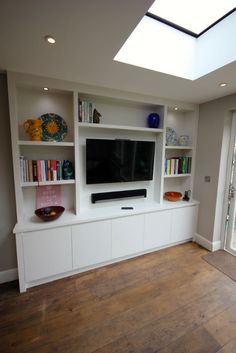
(111, 161)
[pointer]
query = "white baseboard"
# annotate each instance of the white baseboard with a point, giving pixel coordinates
(205, 243)
(8, 275)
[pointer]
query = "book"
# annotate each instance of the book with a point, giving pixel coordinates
(34, 169)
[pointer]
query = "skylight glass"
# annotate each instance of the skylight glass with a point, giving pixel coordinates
(193, 15)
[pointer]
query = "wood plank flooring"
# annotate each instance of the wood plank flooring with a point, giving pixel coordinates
(170, 301)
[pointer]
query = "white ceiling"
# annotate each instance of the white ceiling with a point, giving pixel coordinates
(89, 34)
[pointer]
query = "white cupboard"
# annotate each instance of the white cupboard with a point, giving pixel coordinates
(91, 243)
(183, 223)
(157, 230)
(46, 253)
(127, 235)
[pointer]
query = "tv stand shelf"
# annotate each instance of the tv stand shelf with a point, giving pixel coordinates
(103, 213)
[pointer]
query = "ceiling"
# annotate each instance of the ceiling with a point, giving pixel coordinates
(89, 34)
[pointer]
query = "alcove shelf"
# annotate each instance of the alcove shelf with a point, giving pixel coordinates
(120, 127)
(52, 182)
(46, 143)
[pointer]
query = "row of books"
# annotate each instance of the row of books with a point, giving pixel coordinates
(40, 170)
(85, 112)
(178, 165)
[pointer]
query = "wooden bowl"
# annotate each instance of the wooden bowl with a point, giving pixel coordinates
(173, 196)
(49, 213)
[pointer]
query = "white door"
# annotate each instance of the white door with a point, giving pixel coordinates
(230, 229)
(127, 235)
(91, 243)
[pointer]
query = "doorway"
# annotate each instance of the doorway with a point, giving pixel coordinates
(230, 228)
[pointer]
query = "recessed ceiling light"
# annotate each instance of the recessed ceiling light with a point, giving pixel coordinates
(50, 39)
(45, 88)
(223, 84)
(176, 108)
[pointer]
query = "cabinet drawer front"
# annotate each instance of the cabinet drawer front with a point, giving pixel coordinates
(157, 229)
(184, 223)
(127, 235)
(91, 243)
(47, 253)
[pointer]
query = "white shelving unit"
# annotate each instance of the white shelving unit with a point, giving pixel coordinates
(30, 101)
(183, 122)
(123, 116)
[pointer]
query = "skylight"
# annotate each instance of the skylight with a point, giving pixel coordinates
(193, 16)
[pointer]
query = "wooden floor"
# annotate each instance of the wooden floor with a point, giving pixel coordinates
(170, 301)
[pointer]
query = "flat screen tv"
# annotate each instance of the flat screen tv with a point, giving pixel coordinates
(111, 161)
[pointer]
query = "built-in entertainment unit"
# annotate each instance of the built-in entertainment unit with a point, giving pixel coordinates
(110, 161)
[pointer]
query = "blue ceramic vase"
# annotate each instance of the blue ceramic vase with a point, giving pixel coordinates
(153, 120)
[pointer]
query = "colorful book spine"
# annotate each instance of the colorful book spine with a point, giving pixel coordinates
(40, 170)
(178, 165)
(85, 111)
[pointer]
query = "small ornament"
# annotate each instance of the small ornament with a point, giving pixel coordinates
(187, 195)
(33, 127)
(183, 140)
(153, 120)
(67, 170)
(96, 117)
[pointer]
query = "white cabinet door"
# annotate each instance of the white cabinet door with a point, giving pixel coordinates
(47, 253)
(157, 229)
(91, 243)
(184, 223)
(127, 235)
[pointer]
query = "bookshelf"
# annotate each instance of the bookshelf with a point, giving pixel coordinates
(69, 240)
(183, 122)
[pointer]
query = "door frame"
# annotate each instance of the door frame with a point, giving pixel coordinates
(232, 140)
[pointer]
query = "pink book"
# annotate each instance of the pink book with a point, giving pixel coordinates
(49, 195)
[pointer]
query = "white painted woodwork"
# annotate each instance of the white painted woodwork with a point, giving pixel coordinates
(127, 235)
(157, 230)
(120, 127)
(183, 223)
(91, 243)
(87, 235)
(47, 253)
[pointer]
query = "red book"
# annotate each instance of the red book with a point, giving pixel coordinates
(54, 170)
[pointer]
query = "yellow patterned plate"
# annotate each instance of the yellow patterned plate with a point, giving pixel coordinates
(54, 127)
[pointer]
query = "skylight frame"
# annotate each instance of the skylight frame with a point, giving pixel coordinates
(185, 30)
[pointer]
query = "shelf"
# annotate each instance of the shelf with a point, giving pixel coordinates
(42, 183)
(178, 147)
(119, 127)
(33, 223)
(177, 175)
(45, 143)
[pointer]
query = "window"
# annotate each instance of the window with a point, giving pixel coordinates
(193, 17)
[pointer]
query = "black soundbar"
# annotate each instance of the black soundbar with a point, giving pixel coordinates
(101, 196)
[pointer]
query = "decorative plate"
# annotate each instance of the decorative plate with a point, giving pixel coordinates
(54, 127)
(171, 137)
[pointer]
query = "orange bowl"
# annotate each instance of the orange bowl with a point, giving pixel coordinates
(173, 195)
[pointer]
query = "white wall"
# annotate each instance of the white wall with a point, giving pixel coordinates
(214, 120)
(7, 200)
